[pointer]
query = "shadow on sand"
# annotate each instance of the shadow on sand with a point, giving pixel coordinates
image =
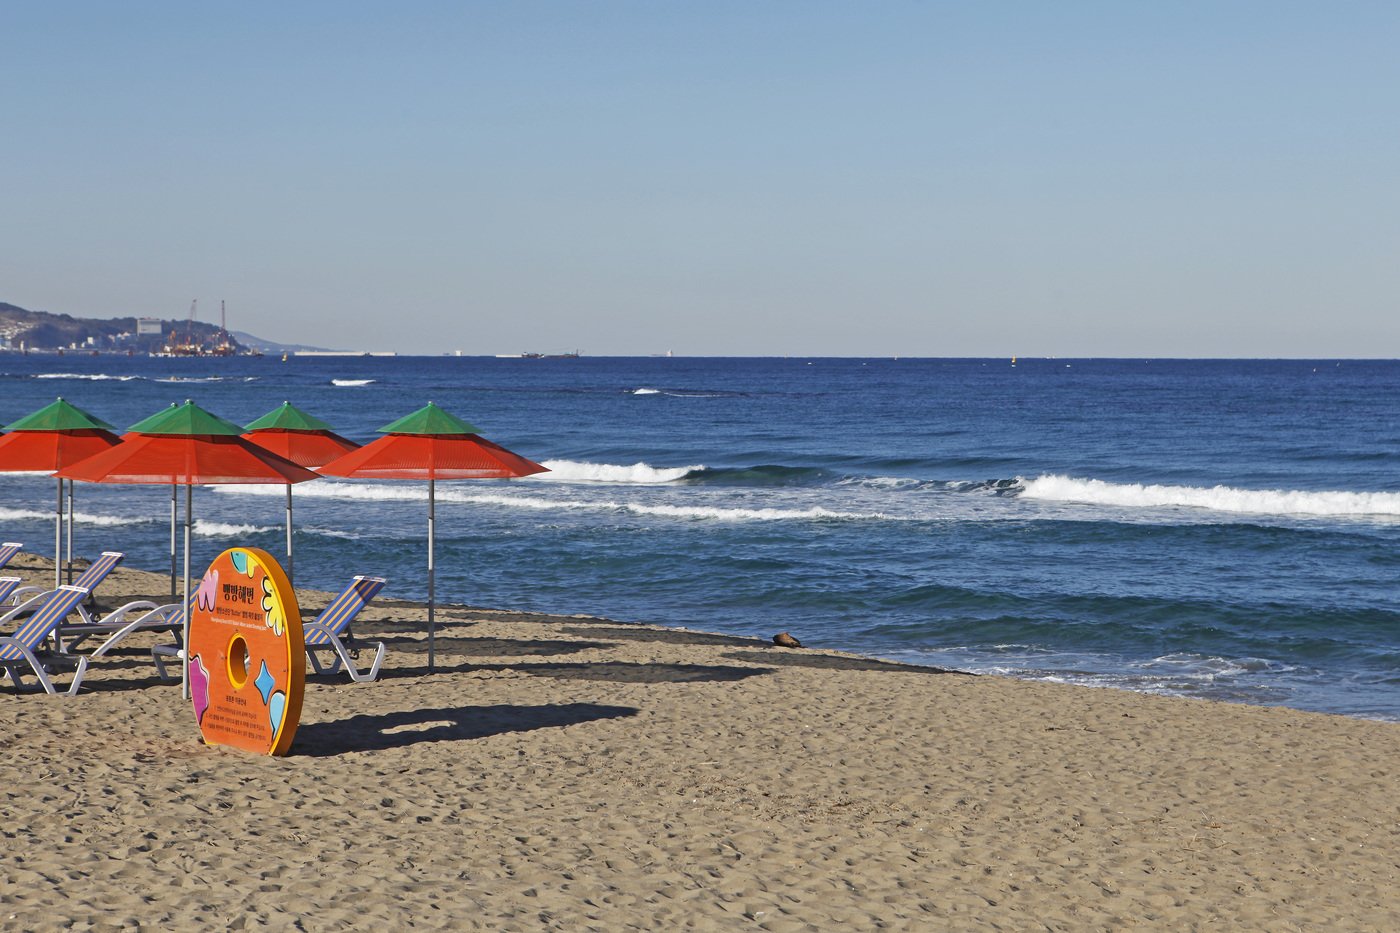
(782, 657)
(620, 672)
(663, 636)
(487, 647)
(454, 724)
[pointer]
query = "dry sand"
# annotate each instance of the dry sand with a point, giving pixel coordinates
(574, 773)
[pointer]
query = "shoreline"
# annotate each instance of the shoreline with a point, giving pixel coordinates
(573, 772)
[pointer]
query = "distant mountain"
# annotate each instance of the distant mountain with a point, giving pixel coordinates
(269, 346)
(21, 329)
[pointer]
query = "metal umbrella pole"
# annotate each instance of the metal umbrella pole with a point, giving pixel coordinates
(432, 542)
(291, 564)
(58, 539)
(68, 561)
(174, 492)
(185, 640)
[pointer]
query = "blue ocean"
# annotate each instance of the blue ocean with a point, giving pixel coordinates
(1222, 529)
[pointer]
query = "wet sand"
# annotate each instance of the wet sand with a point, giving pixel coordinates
(573, 773)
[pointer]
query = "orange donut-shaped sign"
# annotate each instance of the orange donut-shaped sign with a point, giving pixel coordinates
(247, 660)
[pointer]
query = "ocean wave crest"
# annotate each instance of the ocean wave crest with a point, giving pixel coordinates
(1056, 488)
(717, 513)
(351, 382)
(408, 492)
(642, 474)
(79, 518)
(227, 529)
(684, 393)
(89, 377)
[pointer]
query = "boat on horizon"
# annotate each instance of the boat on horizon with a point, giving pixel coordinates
(539, 356)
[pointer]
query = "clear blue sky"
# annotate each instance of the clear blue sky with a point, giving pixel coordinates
(934, 179)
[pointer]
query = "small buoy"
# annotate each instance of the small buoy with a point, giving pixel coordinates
(784, 640)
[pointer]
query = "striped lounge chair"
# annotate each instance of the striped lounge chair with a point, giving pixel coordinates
(90, 580)
(330, 631)
(8, 550)
(21, 650)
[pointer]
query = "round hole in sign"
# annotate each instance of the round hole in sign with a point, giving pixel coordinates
(237, 662)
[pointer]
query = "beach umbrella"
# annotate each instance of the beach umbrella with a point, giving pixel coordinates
(431, 445)
(305, 440)
(49, 439)
(186, 446)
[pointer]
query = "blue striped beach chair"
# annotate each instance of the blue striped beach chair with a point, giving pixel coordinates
(19, 651)
(330, 631)
(91, 578)
(7, 586)
(8, 550)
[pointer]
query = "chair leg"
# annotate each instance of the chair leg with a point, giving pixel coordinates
(317, 665)
(373, 673)
(77, 678)
(166, 651)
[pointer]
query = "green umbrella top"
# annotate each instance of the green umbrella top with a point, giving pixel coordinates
(59, 416)
(429, 420)
(188, 418)
(288, 417)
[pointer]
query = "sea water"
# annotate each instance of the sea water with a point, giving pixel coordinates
(1223, 529)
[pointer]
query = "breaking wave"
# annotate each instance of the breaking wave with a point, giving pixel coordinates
(80, 518)
(641, 474)
(1057, 488)
(417, 492)
(351, 382)
(226, 529)
(682, 393)
(89, 377)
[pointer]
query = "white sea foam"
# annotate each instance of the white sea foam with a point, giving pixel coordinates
(90, 377)
(647, 391)
(79, 518)
(661, 511)
(405, 492)
(339, 533)
(351, 382)
(641, 474)
(226, 529)
(1216, 498)
(333, 489)
(882, 482)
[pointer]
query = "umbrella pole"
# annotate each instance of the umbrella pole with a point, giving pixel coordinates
(185, 667)
(58, 540)
(174, 492)
(68, 561)
(291, 565)
(432, 541)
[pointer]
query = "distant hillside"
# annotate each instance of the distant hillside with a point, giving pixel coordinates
(269, 346)
(40, 330)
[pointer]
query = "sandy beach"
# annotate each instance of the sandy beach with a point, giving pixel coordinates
(577, 773)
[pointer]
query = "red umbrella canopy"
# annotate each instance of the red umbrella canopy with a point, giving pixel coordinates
(294, 435)
(191, 460)
(431, 444)
(46, 451)
(186, 445)
(53, 437)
